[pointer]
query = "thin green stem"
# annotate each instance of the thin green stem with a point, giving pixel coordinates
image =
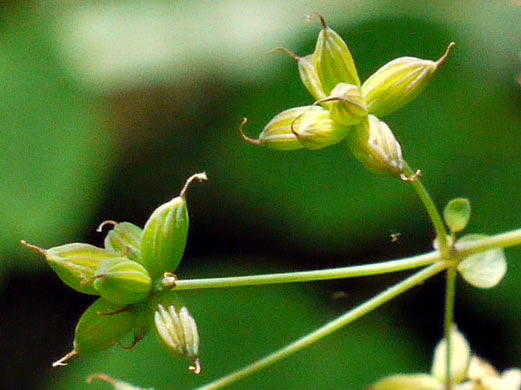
(306, 276)
(501, 240)
(330, 327)
(450, 294)
(461, 250)
(432, 210)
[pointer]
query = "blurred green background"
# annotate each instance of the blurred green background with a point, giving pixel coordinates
(109, 106)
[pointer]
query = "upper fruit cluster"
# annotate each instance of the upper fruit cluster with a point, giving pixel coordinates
(346, 109)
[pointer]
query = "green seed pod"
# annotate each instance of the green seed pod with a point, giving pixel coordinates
(347, 106)
(309, 76)
(315, 128)
(122, 281)
(143, 315)
(125, 239)
(308, 73)
(277, 134)
(75, 264)
(165, 234)
(101, 326)
(373, 143)
(398, 83)
(333, 59)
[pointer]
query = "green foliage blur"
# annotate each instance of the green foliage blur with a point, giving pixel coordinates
(109, 106)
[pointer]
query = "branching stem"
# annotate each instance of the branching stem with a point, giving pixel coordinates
(461, 250)
(330, 327)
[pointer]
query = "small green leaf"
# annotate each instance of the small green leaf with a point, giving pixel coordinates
(457, 214)
(122, 281)
(483, 270)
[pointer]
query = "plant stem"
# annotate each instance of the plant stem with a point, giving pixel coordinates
(501, 240)
(330, 327)
(450, 294)
(461, 250)
(433, 212)
(306, 276)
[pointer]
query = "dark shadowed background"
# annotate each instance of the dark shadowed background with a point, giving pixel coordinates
(107, 107)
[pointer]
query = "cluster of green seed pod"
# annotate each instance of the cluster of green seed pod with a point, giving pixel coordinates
(132, 275)
(344, 108)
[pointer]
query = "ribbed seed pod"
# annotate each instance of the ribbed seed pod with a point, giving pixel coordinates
(176, 328)
(373, 143)
(143, 315)
(122, 281)
(333, 60)
(164, 237)
(125, 239)
(101, 326)
(308, 73)
(277, 133)
(398, 83)
(309, 76)
(315, 129)
(165, 234)
(76, 264)
(347, 105)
